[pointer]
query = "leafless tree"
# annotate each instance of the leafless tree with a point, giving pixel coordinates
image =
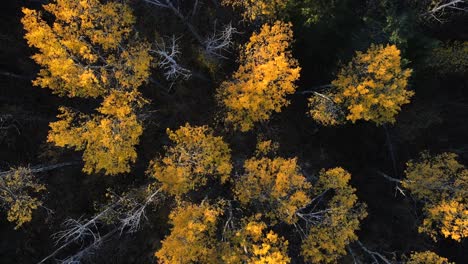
(168, 55)
(79, 231)
(220, 41)
(131, 219)
(87, 251)
(127, 211)
(441, 9)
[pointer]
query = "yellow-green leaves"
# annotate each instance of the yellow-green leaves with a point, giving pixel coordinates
(88, 50)
(18, 191)
(327, 239)
(277, 184)
(193, 235)
(372, 87)
(442, 184)
(450, 58)
(255, 9)
(254, 244)
(427, 257)
(107, 138)
(266, 74)
(195, 156)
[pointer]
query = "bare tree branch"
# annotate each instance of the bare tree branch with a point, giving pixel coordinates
(79, 231)
(451, 4)
(220, 41)
(132, 219)
(168, 60)
(169, 5)
(442, 9)
(43, 168)
(374, 255)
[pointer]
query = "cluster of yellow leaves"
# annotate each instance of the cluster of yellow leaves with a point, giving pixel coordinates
(266, 75)
(442, 183)
(450, 217)
(427, 257)
(108, 138)
(326, 241)
(371, 87)
(254, 9)
(276, 184)
(195, 156)
(193, 235)
(252, 244)
(265, 147)
(17, 189)
(87, 50)
(273, 188)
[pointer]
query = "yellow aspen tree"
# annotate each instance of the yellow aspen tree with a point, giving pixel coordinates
(253, 10)
(88, 49)
(107, 138)
(450, 218)
(195, 156)
(265, 77)
(193, 235)
(441, 182)
(372, 87)
(335, 227)
(254, 244)
(276, 185)
(18, 191)
(427, 257)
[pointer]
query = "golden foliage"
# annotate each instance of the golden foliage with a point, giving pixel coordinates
(435, 178)
(427, 257)
(265, 147)
(108, 138)
(192, 238)
(276, 184)
(253, 244)
(372, 87)
(195, 156)
(266, 75)
(450, 218)
(442, 183)
(17, 191)
(326, 241)
(88, 49)
(254, 9)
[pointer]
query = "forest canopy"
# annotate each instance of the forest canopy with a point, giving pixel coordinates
(227, 131)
